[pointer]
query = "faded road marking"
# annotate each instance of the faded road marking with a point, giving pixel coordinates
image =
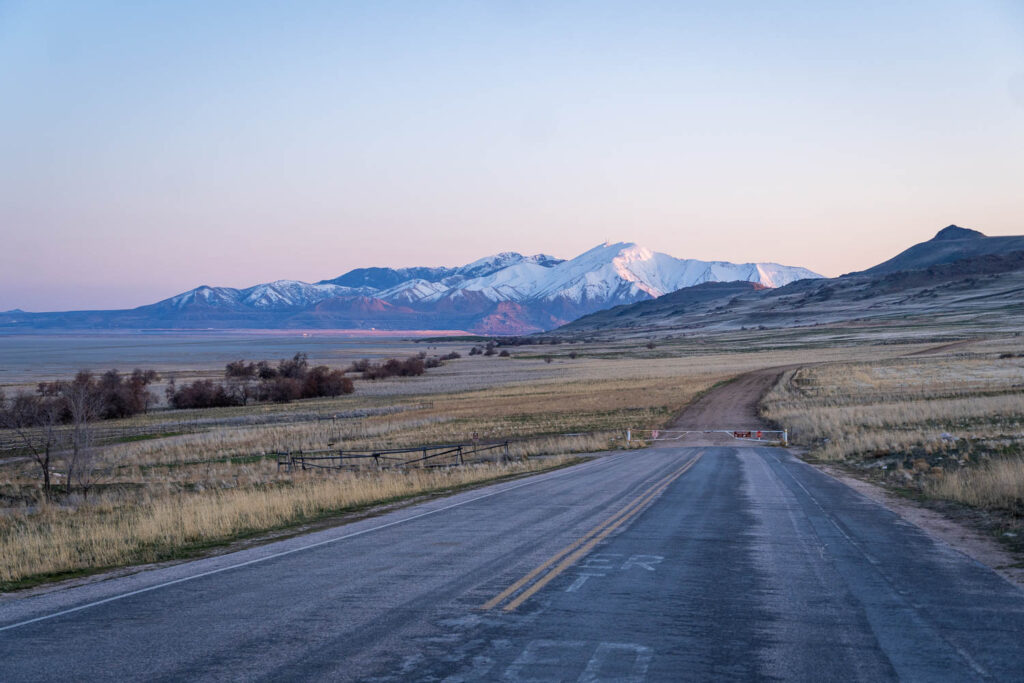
(626, 662)
(643, 561)
(581, 547)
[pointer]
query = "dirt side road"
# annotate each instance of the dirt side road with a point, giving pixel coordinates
(732, 405)
(729, 406)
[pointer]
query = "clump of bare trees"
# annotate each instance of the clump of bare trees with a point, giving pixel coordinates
(57, 419)
(488, 349)
(398, 367)
(394, 367)
(126, 396)
(291, 379)
(530, 341)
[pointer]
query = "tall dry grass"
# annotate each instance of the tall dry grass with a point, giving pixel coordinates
(995, 484)
(60, 541)
(951, 426)
(849, 410)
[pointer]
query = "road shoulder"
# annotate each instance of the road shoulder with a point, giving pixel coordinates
(965, 539)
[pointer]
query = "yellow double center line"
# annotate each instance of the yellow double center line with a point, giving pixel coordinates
(579, 548)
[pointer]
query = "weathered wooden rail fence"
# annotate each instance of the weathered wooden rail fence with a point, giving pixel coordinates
(440, 455)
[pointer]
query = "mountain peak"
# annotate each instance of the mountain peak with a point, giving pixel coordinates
(610, 248)
(951, 244)
(955, 232)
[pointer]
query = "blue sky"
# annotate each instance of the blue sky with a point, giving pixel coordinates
(146, 148)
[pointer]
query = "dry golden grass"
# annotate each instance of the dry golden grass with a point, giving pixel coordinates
(951, 425)
(899, 404)
(996, 484)
(57, 541)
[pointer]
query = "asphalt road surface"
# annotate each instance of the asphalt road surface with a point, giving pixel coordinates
(664, 564)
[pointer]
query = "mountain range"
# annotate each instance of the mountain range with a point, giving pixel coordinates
(958, 279)
(507, 293)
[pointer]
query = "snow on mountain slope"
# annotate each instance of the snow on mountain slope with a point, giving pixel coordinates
(203, 296)
(291, 294)
(776, 275)
(382, 279)
(617, 273)
(506, 259)
(413, 291)
(278, 295)
(514, 283)
(607, 275)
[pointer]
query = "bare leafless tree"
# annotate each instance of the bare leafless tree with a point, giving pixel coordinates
(34, 418)
(82, 401)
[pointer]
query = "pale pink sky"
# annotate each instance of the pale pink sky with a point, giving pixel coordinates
(152, 149)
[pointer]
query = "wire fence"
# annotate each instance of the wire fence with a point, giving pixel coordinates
(439, 455)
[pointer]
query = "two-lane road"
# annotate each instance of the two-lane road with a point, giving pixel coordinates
(666, 564)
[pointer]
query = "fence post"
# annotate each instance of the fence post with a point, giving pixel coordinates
(629, 436)
(785, 437)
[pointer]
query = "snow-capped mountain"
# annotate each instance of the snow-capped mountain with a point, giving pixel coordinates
(507, 293)
(606, 275)
(277, 295)
(387, 278)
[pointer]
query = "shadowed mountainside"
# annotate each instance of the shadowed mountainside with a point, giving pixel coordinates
(952, 243)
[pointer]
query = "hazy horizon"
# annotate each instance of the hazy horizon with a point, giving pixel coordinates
(157, 148)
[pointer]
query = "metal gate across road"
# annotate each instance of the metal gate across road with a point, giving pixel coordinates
(779, 436)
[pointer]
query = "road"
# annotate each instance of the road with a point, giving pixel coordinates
(663, 564)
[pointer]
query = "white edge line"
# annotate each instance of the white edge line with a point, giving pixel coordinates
(283, 553)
